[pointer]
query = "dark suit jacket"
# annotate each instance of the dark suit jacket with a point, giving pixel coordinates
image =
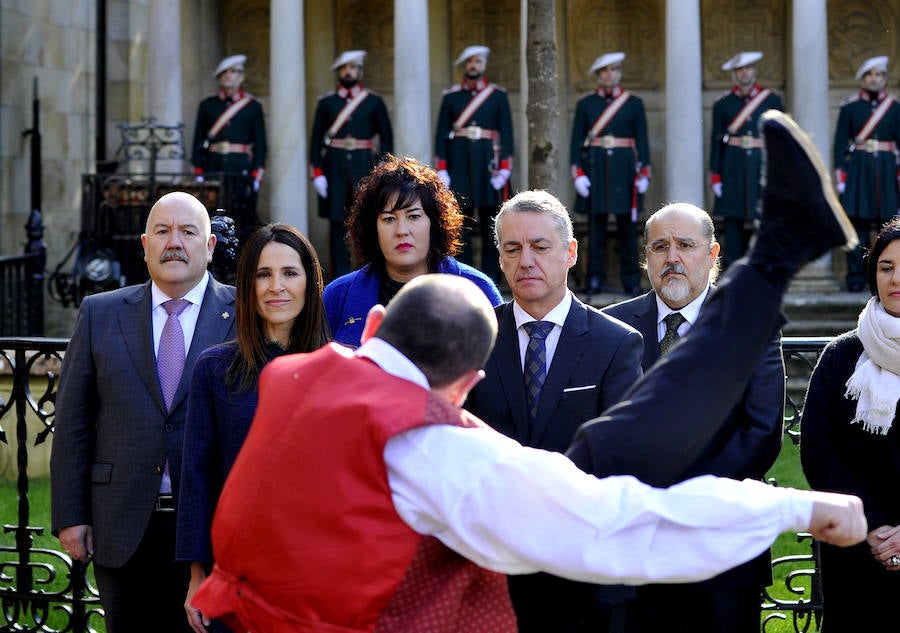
(113, 434)
(748, 444)
(596, 360)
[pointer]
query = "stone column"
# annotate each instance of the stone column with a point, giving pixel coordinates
(286, 172)
(684, 124)
(412, 81)
(807, 100)
(164, 70)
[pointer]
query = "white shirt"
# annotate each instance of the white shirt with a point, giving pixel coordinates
(520, 510)
(690, 312)
(188, 318)
(557, 316)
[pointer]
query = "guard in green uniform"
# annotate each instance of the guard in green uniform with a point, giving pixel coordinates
(610, 159)
(230, 137)
(350, 131)
(735, 152)
(865, 160)
(474, 149)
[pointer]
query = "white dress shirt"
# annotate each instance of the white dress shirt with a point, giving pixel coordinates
(519, 510)
(188, 318)
(690, 312)
(557, 316)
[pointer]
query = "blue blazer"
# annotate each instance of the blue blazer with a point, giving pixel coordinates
(113, 434)
(349, 298)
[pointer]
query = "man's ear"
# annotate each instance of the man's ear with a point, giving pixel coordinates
(373, 320)
(464, 384)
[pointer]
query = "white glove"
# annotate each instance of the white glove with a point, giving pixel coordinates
(641, 184)
(198, 178)
(255, 185)
(445, 177)
(321, 185)
(583, 186)
(499, 179)
(717, 189)
(841, 187)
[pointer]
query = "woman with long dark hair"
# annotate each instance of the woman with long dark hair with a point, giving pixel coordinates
(279, 310)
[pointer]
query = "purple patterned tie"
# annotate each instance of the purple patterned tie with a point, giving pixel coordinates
(535, 363)
(170, 357)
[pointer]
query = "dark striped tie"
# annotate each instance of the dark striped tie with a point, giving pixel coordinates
(535, 363)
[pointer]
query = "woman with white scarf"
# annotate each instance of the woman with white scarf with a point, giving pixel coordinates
(849, 444)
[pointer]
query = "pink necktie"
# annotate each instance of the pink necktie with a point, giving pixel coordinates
(170, 357)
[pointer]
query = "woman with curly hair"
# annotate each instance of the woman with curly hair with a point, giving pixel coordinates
(404, 222)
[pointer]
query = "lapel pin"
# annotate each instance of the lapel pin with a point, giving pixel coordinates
(225, 315)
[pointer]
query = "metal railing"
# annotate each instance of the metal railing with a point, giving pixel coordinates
(43, 589)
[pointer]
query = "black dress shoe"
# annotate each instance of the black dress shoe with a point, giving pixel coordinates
(856, 286)
(634, 291)
(801, 218)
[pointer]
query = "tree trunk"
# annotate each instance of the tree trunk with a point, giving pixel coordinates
(542, 109)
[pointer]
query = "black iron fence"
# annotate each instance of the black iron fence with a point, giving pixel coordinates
(42, 589)
(22, 285)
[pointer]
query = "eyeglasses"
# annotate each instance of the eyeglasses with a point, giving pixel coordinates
(683, 246)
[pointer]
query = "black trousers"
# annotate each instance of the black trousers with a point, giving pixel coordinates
(693, 609)
(146, 595)
(659, 430)
(481, 220)
(737, 238)
(626, 242)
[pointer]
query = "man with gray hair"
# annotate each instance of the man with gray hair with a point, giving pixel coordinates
(681, 262)
(585, 363)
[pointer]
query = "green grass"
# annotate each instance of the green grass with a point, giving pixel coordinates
(39, 516)
(788, 473)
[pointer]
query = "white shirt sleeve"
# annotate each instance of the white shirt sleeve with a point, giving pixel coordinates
(519, 510)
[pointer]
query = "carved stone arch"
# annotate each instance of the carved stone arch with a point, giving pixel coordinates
(635, 27)
(245, 25)
(492, 24)
(857, 30)
(369, 25)
(731, 26)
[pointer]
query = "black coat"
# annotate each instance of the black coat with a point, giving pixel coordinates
(838, 456)
(871, 191)
(345, 167)
(749, 442)
(737, 166)
(471, 163)
(248, 126)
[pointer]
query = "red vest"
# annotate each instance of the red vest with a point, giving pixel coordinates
(306, 537)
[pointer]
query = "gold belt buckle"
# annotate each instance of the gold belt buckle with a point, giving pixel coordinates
(608, 141)
(349, 143)
(473, 133)
(871, 145)
(747, 141)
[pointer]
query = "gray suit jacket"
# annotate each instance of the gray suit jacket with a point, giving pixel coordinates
(113, 435)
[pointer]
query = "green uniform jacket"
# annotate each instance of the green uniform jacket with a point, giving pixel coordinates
(248, 126)
(344, 167)
(737, 167)
(871, 186)
(471, 163)
(611, 171)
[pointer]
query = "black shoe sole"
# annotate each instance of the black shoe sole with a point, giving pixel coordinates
(828, 192)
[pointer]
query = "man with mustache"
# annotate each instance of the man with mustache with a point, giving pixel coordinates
(351, 129)
(682, 252)
(120, 412)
